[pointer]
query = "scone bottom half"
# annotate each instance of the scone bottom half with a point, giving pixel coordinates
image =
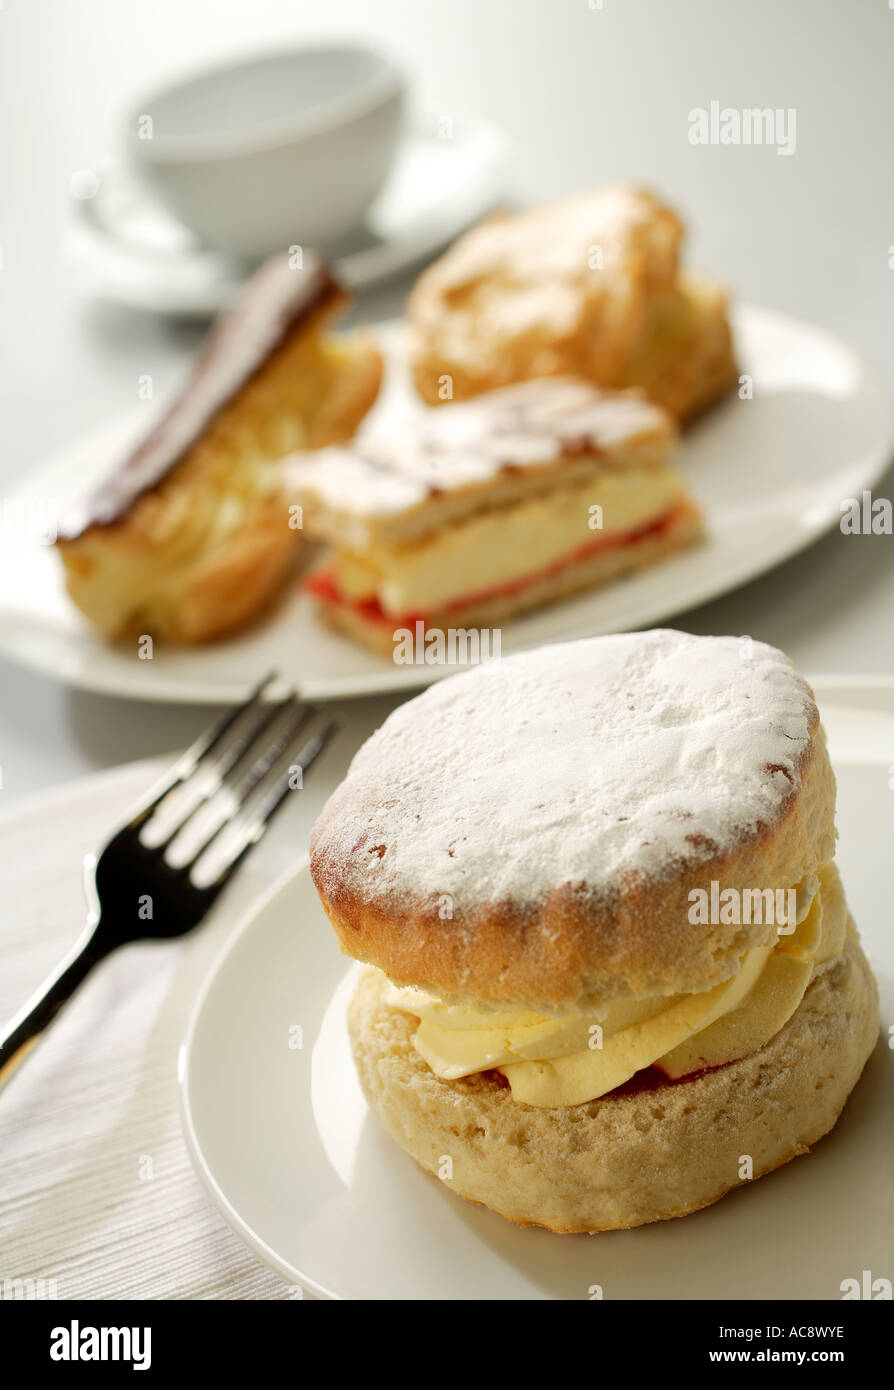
(638, 1068)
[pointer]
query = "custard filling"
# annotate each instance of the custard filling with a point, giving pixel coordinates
(502, 546)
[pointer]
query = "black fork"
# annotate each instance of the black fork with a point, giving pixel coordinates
(235, 776)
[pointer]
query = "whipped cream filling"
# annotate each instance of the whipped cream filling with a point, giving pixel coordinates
(553, 1061)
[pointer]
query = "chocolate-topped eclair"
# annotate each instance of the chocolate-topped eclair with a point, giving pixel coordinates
(189, 534)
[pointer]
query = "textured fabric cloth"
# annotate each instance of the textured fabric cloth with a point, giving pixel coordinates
(98, 1197)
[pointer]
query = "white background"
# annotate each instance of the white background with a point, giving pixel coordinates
(586, 94)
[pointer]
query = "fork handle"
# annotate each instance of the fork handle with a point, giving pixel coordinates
(33, 1018)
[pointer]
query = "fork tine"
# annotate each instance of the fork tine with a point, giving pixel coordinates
(300, 716)
(293, 716)
(206, 743)
(269, 805)
(307, 756)
(227, 768)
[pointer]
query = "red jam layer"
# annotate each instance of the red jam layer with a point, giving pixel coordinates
(648, 1079)
(323, 584)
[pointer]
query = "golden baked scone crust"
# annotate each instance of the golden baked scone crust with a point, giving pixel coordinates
(529, 832)
(587, 286)
(622, 1160)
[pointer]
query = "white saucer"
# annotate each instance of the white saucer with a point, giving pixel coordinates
(771, 474)
(283, 1140)
(126, 248)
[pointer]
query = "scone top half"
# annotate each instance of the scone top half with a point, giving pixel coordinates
(532, 835)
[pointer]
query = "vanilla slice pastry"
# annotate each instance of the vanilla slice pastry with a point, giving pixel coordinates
(189, 537)
(610, 954)
(588, 286)
(484, 510)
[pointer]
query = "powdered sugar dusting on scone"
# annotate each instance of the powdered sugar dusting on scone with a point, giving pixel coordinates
(576, 765)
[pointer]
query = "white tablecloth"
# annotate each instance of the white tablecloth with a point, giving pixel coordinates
(98, 1197)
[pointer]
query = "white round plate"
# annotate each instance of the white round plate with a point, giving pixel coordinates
(282, 1137)
(770, 472)
(125, 248)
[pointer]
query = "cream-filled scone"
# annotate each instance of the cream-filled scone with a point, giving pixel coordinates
(589, 286)
(612, 970)
(483, 510)
(189, 536)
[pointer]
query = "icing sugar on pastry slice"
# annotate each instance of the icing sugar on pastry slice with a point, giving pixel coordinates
(589, 285)
(189, 535)
(490, 508)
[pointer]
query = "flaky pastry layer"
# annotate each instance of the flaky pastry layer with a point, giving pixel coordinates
(204, 551)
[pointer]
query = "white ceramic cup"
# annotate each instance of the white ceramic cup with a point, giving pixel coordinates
(288, 148)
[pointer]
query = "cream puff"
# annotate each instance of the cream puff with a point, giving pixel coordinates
(190, 535)
(611, 969)
(589, 286)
